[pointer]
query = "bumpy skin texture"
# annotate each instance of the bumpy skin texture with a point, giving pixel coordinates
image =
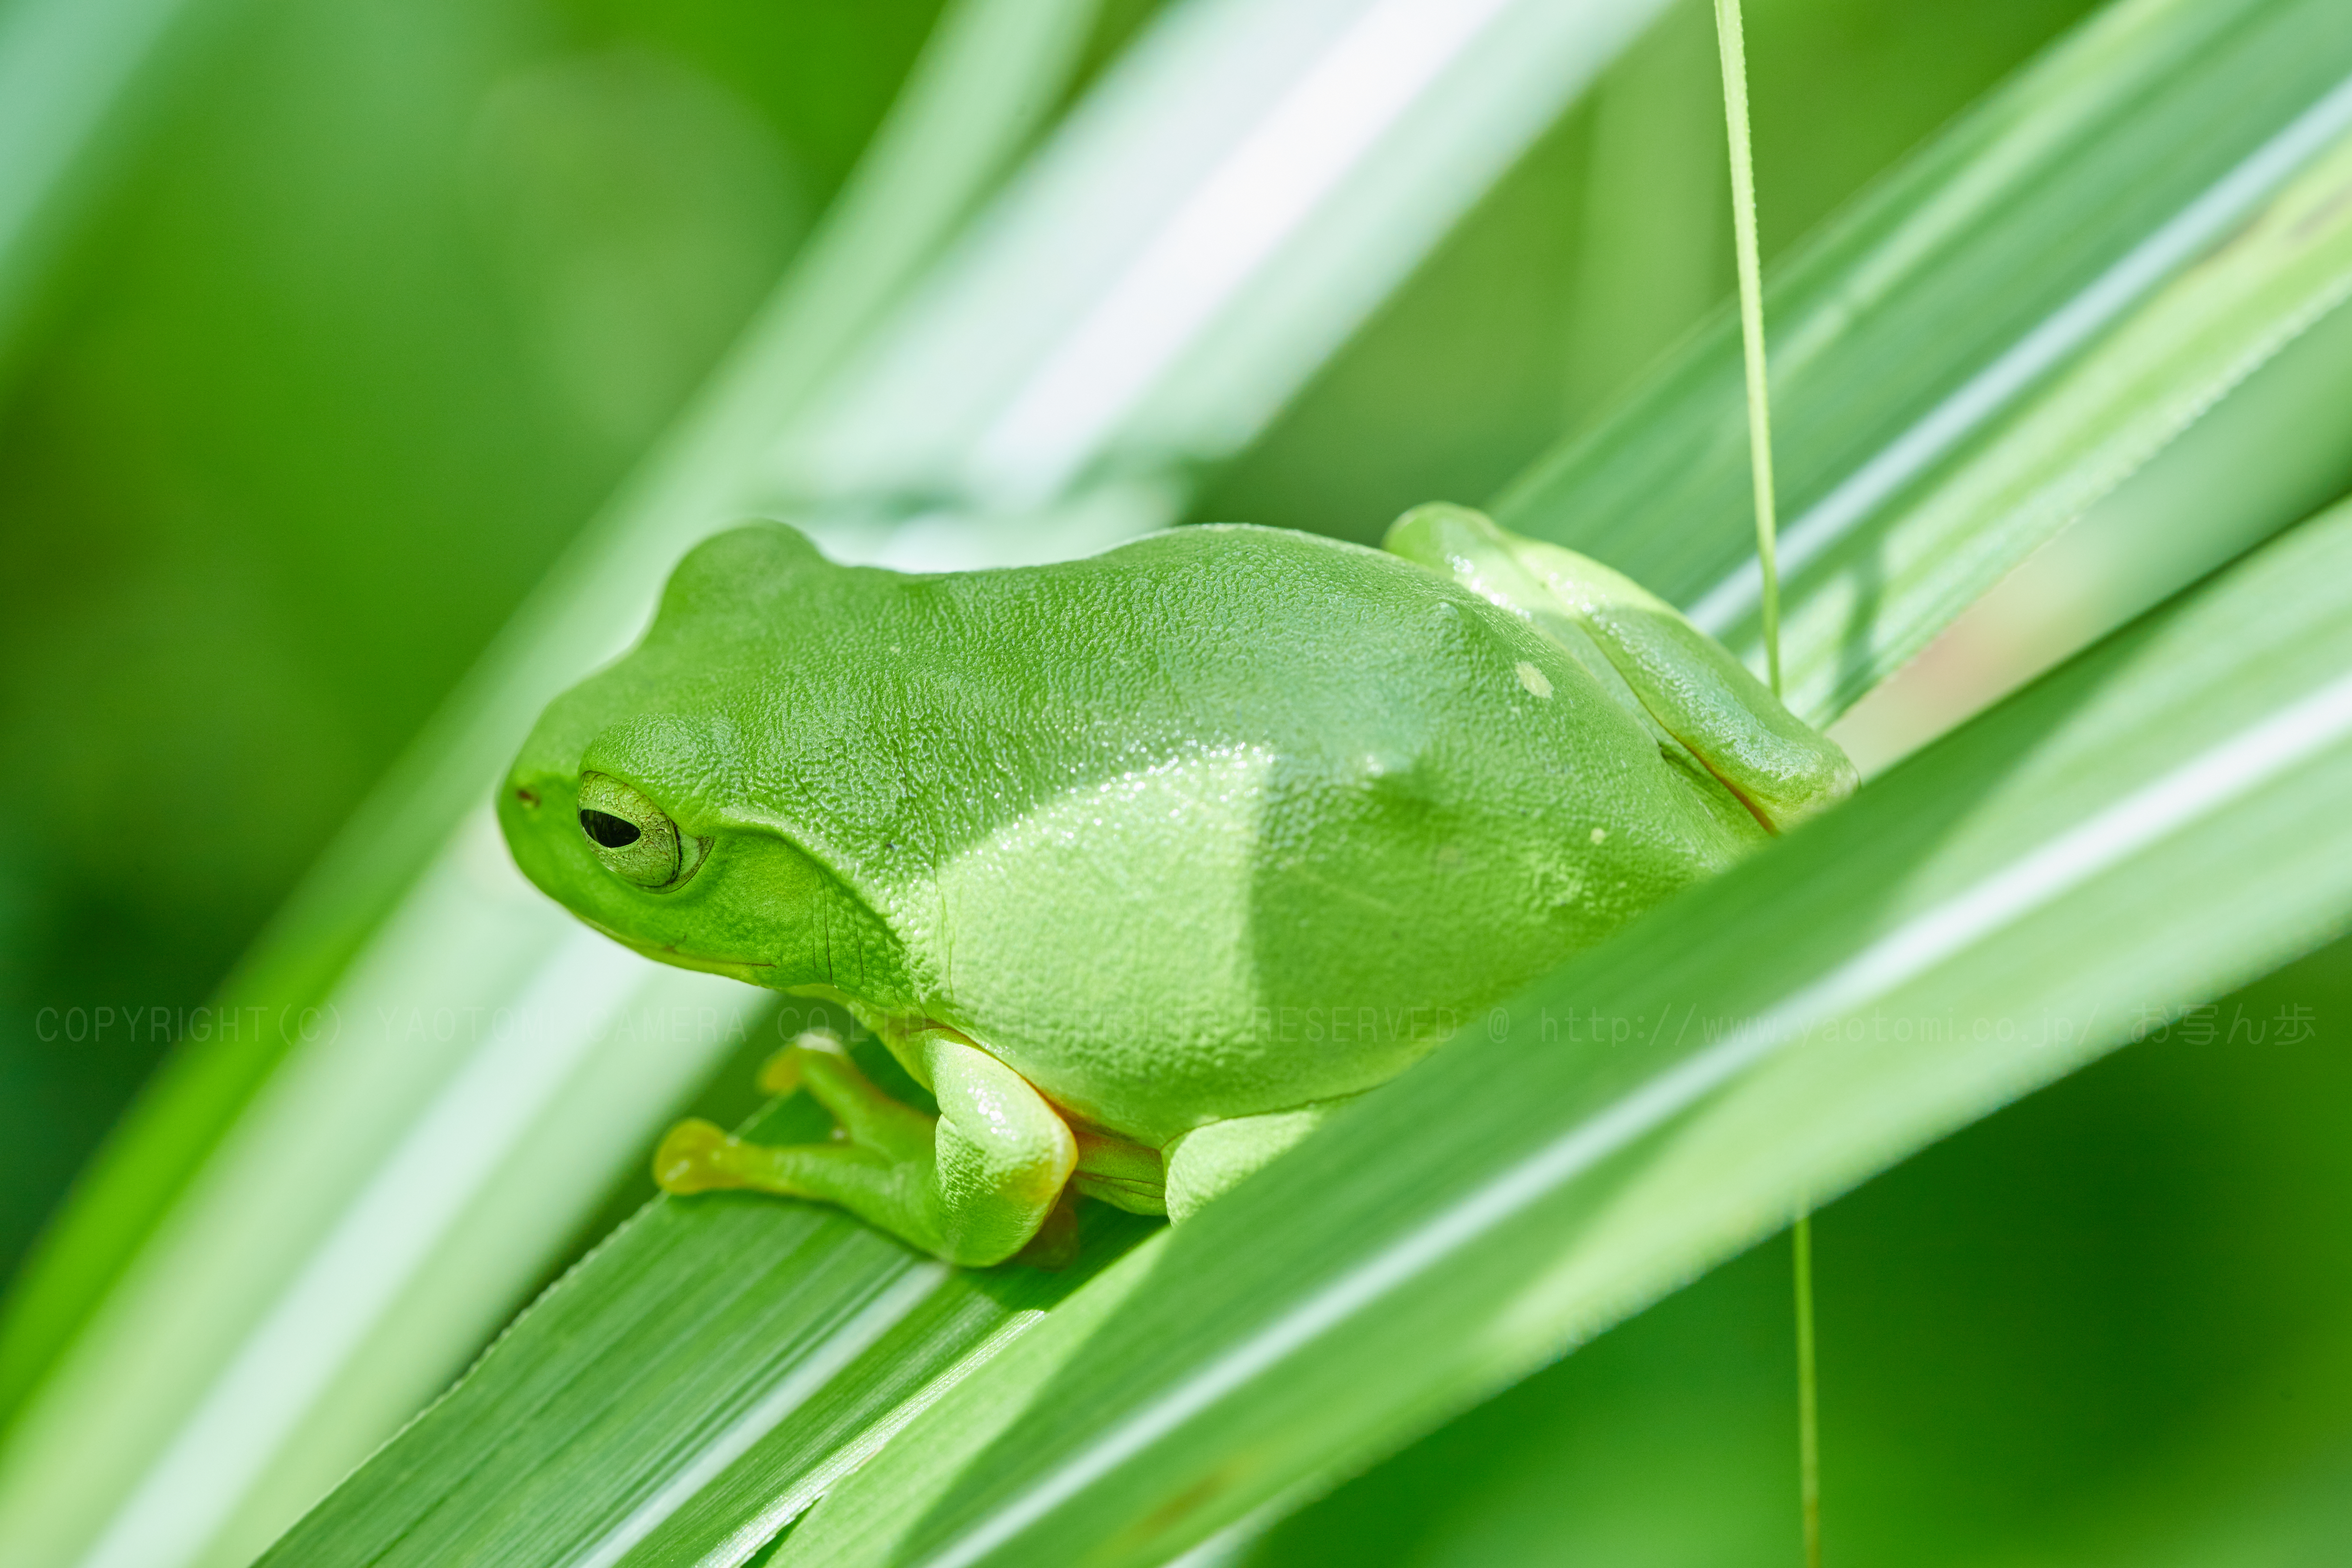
(1227, 821)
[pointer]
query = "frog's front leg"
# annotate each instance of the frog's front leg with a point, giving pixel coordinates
(971, 1186)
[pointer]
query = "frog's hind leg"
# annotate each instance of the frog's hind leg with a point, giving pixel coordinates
(1688, 687)
(1211, 1161)
(1125, 1175)
(972, 1184)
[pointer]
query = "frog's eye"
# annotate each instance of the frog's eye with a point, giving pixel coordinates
(633, 836)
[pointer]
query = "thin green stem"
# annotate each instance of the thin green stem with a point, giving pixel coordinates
(1809, 1426)
(1732, 44)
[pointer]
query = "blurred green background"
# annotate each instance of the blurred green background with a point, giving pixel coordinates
(374, 303)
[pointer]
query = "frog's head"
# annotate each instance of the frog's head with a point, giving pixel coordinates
(635, 805)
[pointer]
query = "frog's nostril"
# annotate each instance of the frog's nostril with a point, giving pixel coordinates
(612, 832)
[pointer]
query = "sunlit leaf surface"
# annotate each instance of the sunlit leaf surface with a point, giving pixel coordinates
(701, 1378)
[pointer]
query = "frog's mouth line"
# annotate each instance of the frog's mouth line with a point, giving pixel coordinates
(656, 950)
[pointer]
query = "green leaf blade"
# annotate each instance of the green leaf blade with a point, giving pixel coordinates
(686, 1390)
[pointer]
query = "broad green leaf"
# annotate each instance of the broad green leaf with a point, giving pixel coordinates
(2275, 451)
(2092, 1329)
(213, 1344)
(2012, 324)
(689, 1389)
(2156, 822)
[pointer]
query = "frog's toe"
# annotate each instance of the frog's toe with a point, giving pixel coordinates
(698, 1156)
(784, 1072)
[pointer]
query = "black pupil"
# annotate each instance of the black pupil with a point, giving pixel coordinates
(612, 832)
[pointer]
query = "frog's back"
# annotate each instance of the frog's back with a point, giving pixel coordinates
(1230, 819)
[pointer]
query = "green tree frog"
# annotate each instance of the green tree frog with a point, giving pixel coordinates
(1143, 864)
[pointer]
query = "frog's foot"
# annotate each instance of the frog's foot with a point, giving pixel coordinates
(971, 1186)
(1209, 1160)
